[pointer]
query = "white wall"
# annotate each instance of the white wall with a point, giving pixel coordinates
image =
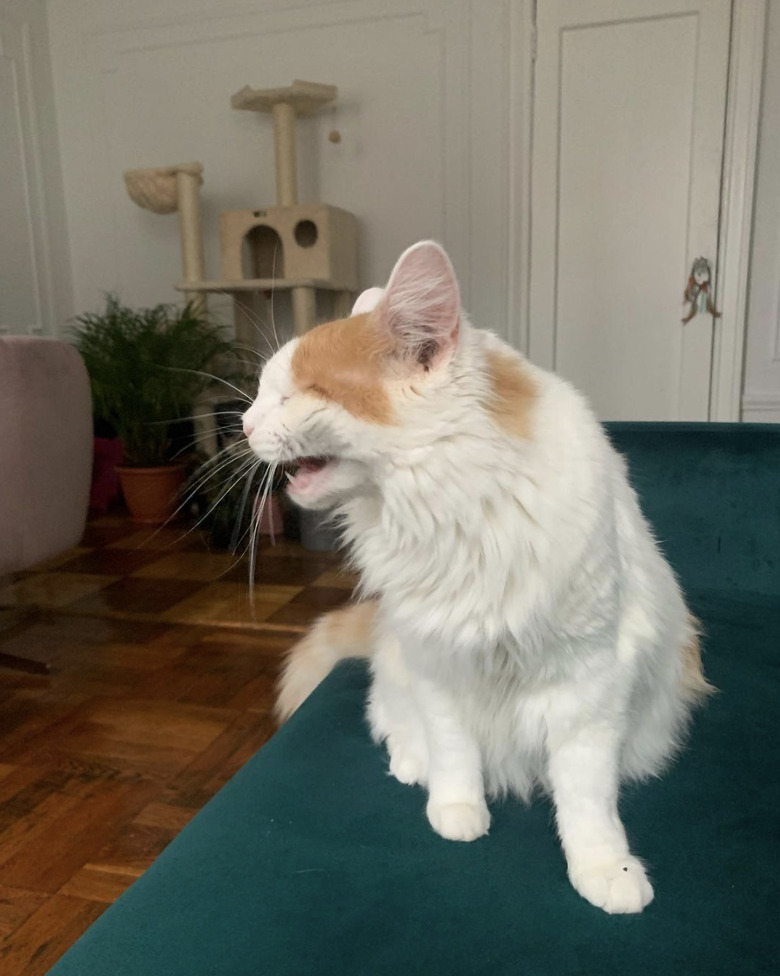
(761, 399)
(35, 284)
(431, 110)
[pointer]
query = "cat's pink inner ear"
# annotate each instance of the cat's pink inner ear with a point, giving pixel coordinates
(421, 305)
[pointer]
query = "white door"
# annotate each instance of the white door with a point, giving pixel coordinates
(629, 109)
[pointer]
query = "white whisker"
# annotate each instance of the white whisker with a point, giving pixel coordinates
(218, 379)
(215, 505)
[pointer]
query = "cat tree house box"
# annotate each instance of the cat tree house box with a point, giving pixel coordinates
(304, 242)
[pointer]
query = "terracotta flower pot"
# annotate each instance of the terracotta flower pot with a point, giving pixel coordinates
(151, 493)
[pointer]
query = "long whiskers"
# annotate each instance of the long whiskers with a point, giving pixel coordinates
(245, 470)
(191, 443)
(197, 416)
(217, 379)
(235, 541)
(214, 470)
(256, 322)
(261, 499)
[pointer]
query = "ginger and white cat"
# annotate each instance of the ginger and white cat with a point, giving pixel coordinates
(524, 630)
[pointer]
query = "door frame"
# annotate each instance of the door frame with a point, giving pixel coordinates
(740, 146)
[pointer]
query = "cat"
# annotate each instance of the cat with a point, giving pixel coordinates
(523, 628)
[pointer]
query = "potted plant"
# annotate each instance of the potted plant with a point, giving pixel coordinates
(147, 367)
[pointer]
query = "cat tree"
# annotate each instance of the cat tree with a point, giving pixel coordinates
(303, 248)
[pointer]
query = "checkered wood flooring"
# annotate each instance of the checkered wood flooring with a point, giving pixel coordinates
(161, 687)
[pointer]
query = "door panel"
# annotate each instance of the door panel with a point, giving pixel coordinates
(629, 111)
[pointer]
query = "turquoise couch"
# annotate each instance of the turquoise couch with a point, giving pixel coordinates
(312, 860)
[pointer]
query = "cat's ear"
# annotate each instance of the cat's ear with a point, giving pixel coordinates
(367, 300)
(420, 308)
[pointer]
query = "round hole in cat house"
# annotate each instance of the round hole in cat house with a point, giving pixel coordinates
(306, 233)
(262, 253)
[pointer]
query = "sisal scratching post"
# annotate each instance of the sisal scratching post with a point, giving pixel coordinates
(193, 262)
(303, 299)
(285, 155)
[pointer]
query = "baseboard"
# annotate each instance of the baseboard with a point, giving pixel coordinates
(761, 408)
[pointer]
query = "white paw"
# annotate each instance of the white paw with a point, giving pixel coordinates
(408, 764)
(407, 768)
(459, 821)
(619, 887)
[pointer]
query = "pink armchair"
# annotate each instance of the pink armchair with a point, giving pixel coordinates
(45, 453)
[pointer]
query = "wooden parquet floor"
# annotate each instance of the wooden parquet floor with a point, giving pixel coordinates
(161, 687)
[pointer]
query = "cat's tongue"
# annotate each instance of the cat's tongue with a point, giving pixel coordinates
(306, 471)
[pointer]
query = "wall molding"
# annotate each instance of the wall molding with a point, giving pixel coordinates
(746, 63)
(16, 50)
(761, 408)
(761, 402)
(522, 34)
(775, 352)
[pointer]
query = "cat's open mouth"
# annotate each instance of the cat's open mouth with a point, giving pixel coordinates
(304, 473)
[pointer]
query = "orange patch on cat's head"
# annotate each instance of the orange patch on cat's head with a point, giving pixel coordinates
(412, 330)
(344, 362)
(513, 393)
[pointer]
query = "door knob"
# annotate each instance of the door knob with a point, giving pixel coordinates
(698, 291)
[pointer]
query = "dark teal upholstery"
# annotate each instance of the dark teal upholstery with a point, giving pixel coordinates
(711, 492)
(312, 860)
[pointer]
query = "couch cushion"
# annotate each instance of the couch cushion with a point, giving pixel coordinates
(312, 860)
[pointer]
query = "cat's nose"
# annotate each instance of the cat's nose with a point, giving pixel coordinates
(248, 427)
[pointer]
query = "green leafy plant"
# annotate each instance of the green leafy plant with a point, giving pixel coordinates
(147, 367)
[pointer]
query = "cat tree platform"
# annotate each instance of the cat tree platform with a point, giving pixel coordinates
(304, 97)
(255, 284)
(243, 289)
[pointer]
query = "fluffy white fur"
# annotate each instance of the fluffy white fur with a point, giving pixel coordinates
(528, 632)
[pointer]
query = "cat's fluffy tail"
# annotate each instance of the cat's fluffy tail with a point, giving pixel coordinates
(694, 683)
(338, 635)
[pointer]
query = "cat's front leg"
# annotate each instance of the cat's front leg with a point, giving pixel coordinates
(393, 713)
(583, 773)
(456, 796)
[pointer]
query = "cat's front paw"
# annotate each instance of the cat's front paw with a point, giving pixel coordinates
(619, 887)
(408, 768)
(408, 760)
(459, 821)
